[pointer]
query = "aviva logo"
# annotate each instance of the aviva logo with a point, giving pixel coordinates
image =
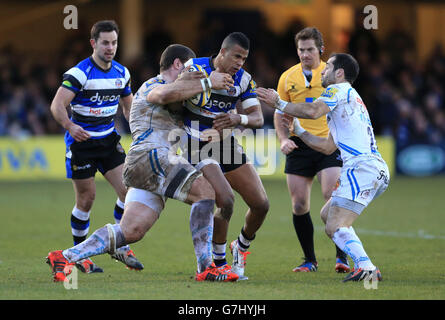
(18, 159)
(31, 158)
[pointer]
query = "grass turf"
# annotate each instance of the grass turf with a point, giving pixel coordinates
(402, 233)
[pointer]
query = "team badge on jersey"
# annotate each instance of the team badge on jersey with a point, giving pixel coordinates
(329, 92)
(231, 91)
(252, 86)
(118, 83)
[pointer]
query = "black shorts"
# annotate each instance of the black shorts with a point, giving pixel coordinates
(94, 154)
(229, 154)
(307, 162)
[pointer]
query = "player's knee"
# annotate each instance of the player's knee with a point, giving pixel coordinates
(85, 200)
(261, 206)
(226, 202)
(201, 190)
(133, 233)
(300, 207)
(132, 230)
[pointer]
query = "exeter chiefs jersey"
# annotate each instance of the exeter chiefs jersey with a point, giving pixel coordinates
(349, 121)
(97, 96)
(220, 100)
(153, 125)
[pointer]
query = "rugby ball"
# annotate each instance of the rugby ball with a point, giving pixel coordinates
(201, 99)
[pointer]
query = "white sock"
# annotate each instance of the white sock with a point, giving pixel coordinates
(348, 241)
(98, 243)
(201, 227)
(219, 251)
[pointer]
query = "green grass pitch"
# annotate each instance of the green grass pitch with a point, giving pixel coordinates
(403, 233)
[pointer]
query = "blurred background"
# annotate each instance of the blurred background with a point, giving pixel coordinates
(401, 79)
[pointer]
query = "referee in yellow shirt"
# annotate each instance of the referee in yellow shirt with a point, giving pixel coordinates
(302, 83)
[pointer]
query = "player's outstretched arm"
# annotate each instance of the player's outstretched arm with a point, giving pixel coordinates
(186, 86)
(176, 91)
(312, 110)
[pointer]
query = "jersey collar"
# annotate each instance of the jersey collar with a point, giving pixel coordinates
(99, 67)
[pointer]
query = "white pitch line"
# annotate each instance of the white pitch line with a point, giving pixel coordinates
(421, 234)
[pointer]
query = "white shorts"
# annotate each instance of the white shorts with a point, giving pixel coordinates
(150, 199)
(362, 179)
(159, 171)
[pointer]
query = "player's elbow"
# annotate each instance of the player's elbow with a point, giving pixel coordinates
(328, 149)
(313, 113)
(258, 123)
(256, 119)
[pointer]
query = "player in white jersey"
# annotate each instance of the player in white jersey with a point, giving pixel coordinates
(153, 171)
(364, 175)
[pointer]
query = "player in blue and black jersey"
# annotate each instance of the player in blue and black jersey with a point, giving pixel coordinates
(93, 90)
(230, 169)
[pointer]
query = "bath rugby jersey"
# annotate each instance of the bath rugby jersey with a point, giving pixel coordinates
(97, 94)
(220, 100)
(294, 87)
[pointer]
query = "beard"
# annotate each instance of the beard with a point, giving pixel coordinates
(326, 81)
(106, 59)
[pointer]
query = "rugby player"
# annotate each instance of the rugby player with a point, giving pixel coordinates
(302, 83)
(364, 175)
(227, 167)
(153, 171)
(93, 90)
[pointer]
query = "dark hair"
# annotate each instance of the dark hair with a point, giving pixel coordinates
(310, 33)
(348, 64)
(103, 26)
(238, 38)
(175, 51)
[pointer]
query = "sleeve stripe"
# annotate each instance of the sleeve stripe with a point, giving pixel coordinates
(77, 74)
(71, 83)
(250, 102)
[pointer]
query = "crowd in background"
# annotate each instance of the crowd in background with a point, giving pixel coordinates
(405, 98)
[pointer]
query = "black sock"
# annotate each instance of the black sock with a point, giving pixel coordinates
(305, 233)
(340, 253)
